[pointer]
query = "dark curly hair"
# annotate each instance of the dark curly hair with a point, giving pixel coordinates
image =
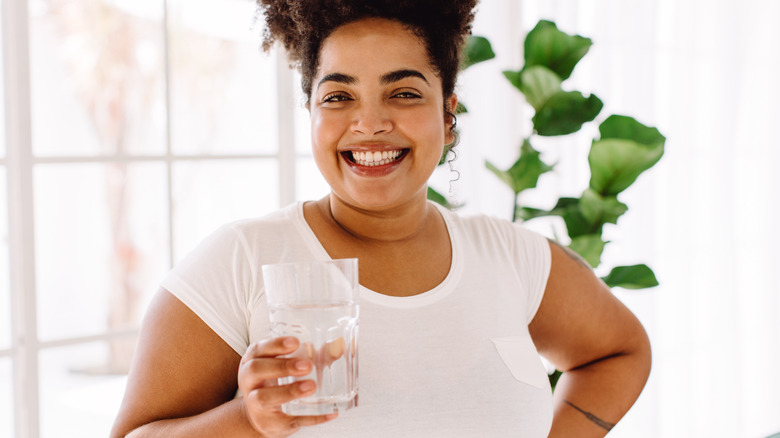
(302, 25)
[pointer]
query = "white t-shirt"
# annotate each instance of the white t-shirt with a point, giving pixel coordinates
(455, 361)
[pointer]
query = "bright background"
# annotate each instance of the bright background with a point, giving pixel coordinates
(133, 128)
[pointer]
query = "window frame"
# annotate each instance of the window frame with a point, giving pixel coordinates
(20, 162)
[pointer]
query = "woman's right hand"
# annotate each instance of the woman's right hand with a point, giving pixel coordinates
(258, 372)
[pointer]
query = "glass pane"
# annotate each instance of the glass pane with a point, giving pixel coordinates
(6, 399)
(2, 93)
(79, 399)
(5, 286)
(101, 245)
(97, 77)
(309, 183)
(207, 194)
(223, 93)
(302, 122)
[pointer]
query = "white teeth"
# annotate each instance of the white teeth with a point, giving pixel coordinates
(375, 158)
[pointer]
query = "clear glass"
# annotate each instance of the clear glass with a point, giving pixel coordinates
(317, 302)
(78, 397)
(223, 93)
(5, 285)
(101, 240)
(6, 398)
(97, 77)
(207, 194)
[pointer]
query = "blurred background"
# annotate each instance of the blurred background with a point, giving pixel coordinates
(133, 128)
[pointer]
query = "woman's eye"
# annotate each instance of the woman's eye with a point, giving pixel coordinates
(336, 97)
(407, 95)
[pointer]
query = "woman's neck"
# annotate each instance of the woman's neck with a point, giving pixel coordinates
(396, 224)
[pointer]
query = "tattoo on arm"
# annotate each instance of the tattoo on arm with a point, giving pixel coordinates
(572, 255)
(599, 422)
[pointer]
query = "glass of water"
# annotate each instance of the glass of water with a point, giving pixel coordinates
(317, 302)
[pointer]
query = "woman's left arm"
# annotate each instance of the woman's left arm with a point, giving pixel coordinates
(600, 346)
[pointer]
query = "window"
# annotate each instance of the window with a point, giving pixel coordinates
(138, 128)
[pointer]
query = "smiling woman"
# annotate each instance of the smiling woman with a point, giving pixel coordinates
(454, 310)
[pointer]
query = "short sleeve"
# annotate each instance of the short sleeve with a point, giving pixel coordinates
(214, 281)
(533, 251)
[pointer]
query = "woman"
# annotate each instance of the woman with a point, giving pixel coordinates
(453, 310)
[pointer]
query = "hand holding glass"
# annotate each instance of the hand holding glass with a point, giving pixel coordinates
(317, 302)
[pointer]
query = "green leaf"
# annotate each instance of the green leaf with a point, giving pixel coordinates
(460, 108)
(576, 223)
(440, 199)
(589, 247)
(554, 377)
(538, 84)
(477, 49)
(514, 78)
(525, 172)
(565, 112)
(625, 150)
(599, 210)
(627, 128)
(564, 204)
(615, 164)
(631, 277)
(560, 52)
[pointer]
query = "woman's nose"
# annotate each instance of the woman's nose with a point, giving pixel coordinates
(371, 119)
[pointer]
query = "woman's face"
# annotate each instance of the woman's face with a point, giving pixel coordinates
(377, 115)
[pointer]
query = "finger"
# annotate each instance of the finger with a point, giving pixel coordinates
(271, 347)
(255, 373)
(280, 424)
(336, 349)
(271, 398)
(311, 420)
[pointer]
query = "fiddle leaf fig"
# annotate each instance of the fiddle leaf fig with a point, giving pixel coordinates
(538, 84)
(525, 172)
(565, 112)
(514, 78)
(625, 150)
(631, 277)
(477, 49)
(589, 247)
(599, 209)
(560, 52)
(528, 213)
(627, 128)
(615, 164)
(440, 199)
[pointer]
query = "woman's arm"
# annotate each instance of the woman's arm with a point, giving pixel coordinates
(596, 341)
(184, 378)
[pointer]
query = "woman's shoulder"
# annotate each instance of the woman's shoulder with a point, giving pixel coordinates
(481, 223)
(270, 223)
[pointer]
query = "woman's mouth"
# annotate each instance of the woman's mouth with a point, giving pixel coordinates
(374, 158)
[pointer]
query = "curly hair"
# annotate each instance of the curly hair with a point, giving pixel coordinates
(302, 25)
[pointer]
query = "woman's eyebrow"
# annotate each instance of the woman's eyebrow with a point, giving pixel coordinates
(338, 77)
(395, 76)
(387, 78)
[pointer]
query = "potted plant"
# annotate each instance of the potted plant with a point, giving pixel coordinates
(623, 150)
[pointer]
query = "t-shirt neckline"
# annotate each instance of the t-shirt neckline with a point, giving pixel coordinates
(438, 293)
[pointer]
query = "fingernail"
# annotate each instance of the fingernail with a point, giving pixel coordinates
(306, 386)
(301, 365)
(289, 342)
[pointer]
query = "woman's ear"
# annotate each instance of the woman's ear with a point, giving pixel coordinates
(449, 106)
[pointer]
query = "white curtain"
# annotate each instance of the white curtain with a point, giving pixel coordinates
(707, 75)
